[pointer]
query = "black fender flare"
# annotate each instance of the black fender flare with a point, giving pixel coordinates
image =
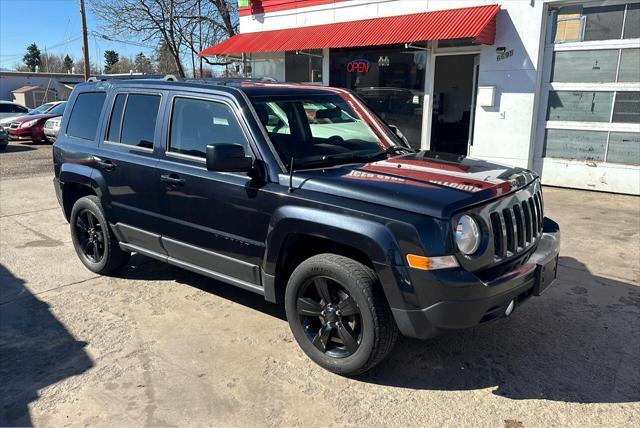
(370, 237)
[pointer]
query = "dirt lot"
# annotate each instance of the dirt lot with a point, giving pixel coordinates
(160, 346)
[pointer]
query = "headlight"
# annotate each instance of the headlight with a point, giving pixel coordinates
(468, 235)
(28, 124)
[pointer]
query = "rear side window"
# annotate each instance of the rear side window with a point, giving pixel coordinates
(20, 109)
(133, 120)
(115, 125)
(198, 123)
(85, 115)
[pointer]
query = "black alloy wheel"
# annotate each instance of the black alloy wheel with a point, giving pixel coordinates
(330, 317)
(94, 241)
(338, 314)
(91, 237)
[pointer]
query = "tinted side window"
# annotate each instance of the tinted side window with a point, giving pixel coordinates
(115, 124)
(5, 108)
(83, 122)
(198, 123)
(139, 121)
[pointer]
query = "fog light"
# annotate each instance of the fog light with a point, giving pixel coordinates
(512, 305)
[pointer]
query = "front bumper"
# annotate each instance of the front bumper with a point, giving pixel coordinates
(469, 303)
(25, 134)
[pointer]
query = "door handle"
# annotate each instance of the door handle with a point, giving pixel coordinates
(172, 180)
(105, 164)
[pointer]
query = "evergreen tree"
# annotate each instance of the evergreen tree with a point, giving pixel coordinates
(32, 57)
(110, 58)
(68, 63)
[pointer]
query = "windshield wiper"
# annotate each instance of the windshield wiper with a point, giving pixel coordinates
(392, 150)
(331, 159)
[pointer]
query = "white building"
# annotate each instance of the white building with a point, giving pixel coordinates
(549, 85)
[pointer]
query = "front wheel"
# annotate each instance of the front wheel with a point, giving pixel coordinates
(338, 315)
(94, 242)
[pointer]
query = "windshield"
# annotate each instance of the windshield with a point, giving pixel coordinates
(323, 129)
(58, 109)
(41, 109)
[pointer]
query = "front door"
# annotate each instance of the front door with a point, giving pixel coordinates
(215, 221)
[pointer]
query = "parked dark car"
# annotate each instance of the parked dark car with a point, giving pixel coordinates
(360, 237)
(31, 127)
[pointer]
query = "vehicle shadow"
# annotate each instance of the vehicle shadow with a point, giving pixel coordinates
(143, 268)
(579, 342)
(36, 350)
(13, 148)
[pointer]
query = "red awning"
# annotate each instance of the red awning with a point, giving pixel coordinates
(478, 23)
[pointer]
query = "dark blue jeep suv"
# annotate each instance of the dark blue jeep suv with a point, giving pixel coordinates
(304, 195)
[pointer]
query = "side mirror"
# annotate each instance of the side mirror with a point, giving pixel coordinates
(228, 158)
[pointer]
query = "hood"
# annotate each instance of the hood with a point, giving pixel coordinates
(28, 118)
(431, 183)
(6, 121)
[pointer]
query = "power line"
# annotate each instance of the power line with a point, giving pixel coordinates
(126, 42)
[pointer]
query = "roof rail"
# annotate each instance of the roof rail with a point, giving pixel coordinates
(105, 77)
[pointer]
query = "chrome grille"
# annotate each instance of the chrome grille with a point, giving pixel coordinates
(517, 227)
(15, 125)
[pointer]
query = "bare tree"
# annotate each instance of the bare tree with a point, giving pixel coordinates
(170, 23)
(123, 66)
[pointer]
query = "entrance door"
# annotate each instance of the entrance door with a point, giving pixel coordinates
(454, 89)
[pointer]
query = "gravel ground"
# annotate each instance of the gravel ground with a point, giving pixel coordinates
(25, 159)
(156, 345)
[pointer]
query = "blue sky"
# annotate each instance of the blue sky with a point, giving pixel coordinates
(54, 24)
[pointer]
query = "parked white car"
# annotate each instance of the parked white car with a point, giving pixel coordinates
(9, 110)
(5, 121)
(52, 128)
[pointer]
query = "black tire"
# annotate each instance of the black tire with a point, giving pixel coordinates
(94, 242)
(325, 333)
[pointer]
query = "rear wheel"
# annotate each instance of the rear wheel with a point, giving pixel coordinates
(338, 315)
(94, 242)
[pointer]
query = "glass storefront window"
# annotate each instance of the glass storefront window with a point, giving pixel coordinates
(629, 66)
(267, 65)
(627, 107)
(585, 106)
(632, 21)
(391, 80)
(585, 66)
(576, 23)
(624, 147)
(578, 145)
(603, 22)
(568, 24)
(303, 67)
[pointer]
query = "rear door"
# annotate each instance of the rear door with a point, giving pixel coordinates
(126, 159)
(215, 221)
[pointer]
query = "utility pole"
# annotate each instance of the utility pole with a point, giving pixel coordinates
(200, 35)
(85, 44)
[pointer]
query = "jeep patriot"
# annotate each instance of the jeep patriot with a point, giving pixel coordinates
(304, 195)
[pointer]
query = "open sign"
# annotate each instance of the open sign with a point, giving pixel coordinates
(358, 66)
